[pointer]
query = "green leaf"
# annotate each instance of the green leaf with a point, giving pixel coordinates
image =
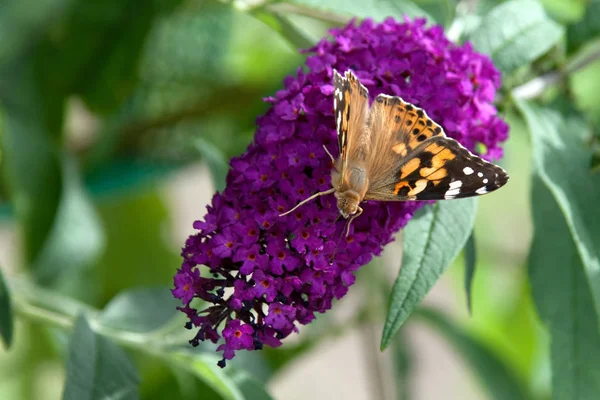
(562, 161)
(202, 33)
(282, 25)
(140, 310)
(98, 51)
(563, 299)
(565, 11)
(500, 382)
(76, 239)
(586, 29)
(6, 317)
(431, 242)
(230, 383)
(136, 252)
(470, 260)
(215, 160)
(402, 357)
(97, 368)
(22, 22)
(442, 11)
(515, 33)
(378, 10)
(31, 163)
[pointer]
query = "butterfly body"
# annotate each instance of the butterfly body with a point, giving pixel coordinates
(392, 151)
(350, 189)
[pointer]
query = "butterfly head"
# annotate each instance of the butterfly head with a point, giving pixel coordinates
(347, 202)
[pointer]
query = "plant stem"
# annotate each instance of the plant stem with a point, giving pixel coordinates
(317, 14)
(28, 303)
(538, 85)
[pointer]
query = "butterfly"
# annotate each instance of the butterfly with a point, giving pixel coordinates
(392, 151)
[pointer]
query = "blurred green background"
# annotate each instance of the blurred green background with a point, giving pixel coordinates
(117, 120)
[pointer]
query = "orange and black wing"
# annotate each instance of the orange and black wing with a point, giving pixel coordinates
(351, 105)
(413, 159)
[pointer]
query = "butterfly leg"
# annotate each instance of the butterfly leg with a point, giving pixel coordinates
(314, 196)
(329, 154)
(360, 210)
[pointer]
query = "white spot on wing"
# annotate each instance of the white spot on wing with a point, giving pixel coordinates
(485, 180)
(481, 190)
(455, 184)
(468, 170)
(451, 193)
(479, 174)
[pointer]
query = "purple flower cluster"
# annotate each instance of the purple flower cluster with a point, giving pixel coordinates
(263, 273)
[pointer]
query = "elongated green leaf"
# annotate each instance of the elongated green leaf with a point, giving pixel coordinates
(494, 375)
(586, 29)
(402, 357)
(563, 299)
(378, 10)
(202, 34)
(443, 11)
(140, 310)
(6, 317)
(515, 33)
(431, 242)
(281, 24)
(470, 259)
(97, 368)
(30, 160)
(562, 161)
(76, 238)
(215, 159)
(97, 54)
(230, 383)
(136, 252)
(21, 23)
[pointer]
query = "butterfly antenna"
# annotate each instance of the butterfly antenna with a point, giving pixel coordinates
(314, 196)
(329, 154)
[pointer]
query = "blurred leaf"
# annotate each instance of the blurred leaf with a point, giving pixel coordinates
(562, 161)
(215, 160)
(229, 382)
(97, 368)
(584, 84)
(470, 260)
(137, 253)
(442, 11)
(402, 357)
(21, 23)
(98, 51)
(586, 29)
(494, 375)
(282, 25)
(431, 242)
(202, 33)
(76, 238)
(176, 81)
(6, 317)
(565, 11)
(563, 299)
(31, 161)
(378, 10)
(515, 33)
(140, 309)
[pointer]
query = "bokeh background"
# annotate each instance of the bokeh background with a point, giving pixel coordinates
(118, 118)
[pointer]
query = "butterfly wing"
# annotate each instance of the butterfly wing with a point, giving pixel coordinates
(413, 159)
(351, 105)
